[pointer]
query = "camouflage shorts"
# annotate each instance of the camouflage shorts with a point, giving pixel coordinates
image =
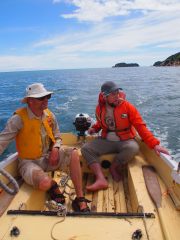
(26, 167)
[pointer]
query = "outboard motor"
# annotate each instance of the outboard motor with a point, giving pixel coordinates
(82, 123)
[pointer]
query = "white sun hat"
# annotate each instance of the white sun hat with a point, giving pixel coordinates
(35, 90)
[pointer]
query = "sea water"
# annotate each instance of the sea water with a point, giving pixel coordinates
(155, 91)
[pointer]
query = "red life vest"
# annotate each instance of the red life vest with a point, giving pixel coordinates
(123, 128)
(127, 121)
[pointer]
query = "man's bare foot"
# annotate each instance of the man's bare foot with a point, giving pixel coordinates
(115, 173)
(98, 185)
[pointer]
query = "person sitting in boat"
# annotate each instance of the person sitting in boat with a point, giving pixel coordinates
(119, 120)
(39, 146)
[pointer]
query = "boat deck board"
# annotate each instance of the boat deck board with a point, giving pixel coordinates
(112, 199)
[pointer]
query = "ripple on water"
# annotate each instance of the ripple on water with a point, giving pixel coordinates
(154, 91)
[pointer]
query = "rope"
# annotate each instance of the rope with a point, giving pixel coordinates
(64, 180)
(64, 183)
(168, 190)
(59, 208)
(52, 229)
(61, 211)
(141, 209)
(11, 191)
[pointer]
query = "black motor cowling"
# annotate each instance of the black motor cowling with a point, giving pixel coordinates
(82, 123)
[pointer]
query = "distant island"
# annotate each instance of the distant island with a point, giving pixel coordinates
(122, 64)
(173, 60)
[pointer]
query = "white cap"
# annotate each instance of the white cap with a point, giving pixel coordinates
(35, 90)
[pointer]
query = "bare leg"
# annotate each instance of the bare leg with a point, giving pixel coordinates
(127, 150)
(115, 170)
(76, 176)
(100, 182)
(41, 180)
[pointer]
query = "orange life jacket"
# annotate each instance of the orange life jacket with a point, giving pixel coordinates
(28, 140)
(123, 128)
(127, 121)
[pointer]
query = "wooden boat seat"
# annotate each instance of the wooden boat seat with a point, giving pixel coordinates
(141, 201)
(28, 198)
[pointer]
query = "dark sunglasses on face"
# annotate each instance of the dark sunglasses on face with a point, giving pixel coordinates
(114, 93)
(42, 98)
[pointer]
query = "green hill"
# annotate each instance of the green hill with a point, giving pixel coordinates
(122, 64)
(173, 60)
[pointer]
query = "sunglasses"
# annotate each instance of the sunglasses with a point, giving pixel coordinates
(43, 98)
(114, 93)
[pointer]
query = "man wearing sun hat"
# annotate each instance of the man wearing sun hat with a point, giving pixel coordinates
(38, 142)
(35, 90)
(117, 119)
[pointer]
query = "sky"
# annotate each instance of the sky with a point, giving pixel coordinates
(73, 34)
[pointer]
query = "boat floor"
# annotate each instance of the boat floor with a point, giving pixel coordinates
(114, 199)
(127, 196)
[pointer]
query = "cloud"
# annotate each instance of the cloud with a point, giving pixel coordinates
(148, 30)
(143, 39)
(98, 10)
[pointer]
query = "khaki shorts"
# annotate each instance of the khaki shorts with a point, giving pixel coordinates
(26, 167)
